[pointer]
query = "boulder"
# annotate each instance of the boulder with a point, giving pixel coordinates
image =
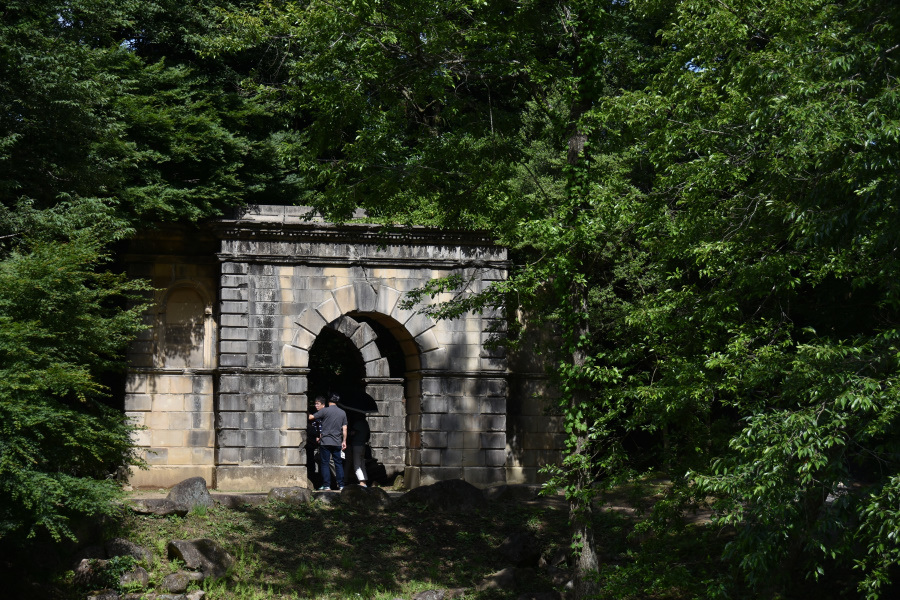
(430, 595)
(291, 495)
(449, 594)
(123, 547)
(190, 493)
(204, 555)
(241, 500)
(92, 551)
(146, 596)
(137, 578)
(104, 595)
(367, 498)
(179, 581)
(157, 506)
(445, 496)
(521, 549)
(89, 572)
(328, 497)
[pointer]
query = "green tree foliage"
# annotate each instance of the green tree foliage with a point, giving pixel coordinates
(109, 120)
(111, 100)
(467, 114)
(771, 130)
(701, 195)
(62, 324)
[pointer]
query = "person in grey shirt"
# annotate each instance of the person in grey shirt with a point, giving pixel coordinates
(333, 441)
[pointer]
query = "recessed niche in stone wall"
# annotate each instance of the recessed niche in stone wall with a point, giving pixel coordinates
(183, 342)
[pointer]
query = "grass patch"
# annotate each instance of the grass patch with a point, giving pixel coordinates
(331, 551)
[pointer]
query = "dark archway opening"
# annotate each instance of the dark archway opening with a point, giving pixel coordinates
(335, 366)
(387, 344)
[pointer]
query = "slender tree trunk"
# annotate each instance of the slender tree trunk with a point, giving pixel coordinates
(581, 509)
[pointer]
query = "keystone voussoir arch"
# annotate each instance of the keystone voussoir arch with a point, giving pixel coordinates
(362, 298)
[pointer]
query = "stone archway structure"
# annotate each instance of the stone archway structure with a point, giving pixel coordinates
(238, 418)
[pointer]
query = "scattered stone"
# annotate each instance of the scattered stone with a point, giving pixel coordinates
(104, 595)
(176, 582)
(145, 596)
(88, 552)
(240, 500)
(135, 578)
(196, 595)
(370, 498)
(123, 547)
(89, 572)
(291, 495)
(500, 580)
(203, 554)
(430, 595)
(521, 548)
(190, 493)
(446, 496)
(157, 506)
(397, 486)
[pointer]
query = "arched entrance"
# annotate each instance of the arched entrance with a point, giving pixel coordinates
(360, 353)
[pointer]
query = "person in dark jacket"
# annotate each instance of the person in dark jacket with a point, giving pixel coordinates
(333, 441)
(358, 439)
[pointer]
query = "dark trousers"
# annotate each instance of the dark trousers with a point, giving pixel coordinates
(326, 453)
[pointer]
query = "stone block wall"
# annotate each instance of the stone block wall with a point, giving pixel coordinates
(535, 434)
(388, 425)
(459, 431)
(170, 389)
(261, 429)
(176, 412)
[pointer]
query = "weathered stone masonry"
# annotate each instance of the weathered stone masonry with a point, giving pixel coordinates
(220, 379)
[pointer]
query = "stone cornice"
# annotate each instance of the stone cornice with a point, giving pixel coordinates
(349, 233)
(369, 261)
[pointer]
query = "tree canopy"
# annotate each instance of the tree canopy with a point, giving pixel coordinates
(702, 200)
(109, 120)
(700, 197)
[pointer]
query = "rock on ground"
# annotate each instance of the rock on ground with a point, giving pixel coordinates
(179, 581)
(291, 495)
(89, 571)
(500, 580)
(203, 554)
(371, 498)
(123, 547)
(445, 496)
(137, 577)
(190, 493)
(158, 506)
